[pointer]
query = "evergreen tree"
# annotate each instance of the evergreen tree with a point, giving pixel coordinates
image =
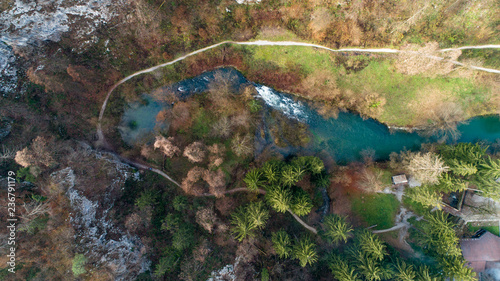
(305, 251)
(301, 203)
(336, 229)
(253, 179)
(489, 187)
(423, 274)
(462, 168)
(454, 267)
(279, 198)
(372, 246)
(490, 169)
(370, 267)
(271, 171)
(258, 214)
(403, 271)
(425, 195)
(282, 244)
(341, 270)
(242, 224)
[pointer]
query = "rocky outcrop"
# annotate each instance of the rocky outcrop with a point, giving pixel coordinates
(26, 25)
(104, 244)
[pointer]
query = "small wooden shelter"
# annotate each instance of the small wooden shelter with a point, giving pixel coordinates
(399, 179)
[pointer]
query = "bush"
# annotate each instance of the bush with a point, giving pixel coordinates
(79, 265)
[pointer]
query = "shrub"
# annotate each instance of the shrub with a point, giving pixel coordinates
(79, 265)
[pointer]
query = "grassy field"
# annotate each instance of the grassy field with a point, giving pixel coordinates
(379, 209)
(493, 229)
(363, 82)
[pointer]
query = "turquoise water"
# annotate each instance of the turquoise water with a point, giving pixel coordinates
(139, 120)
(346, 138)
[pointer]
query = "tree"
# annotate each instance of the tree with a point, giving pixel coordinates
(146, 199)
(370, 268)
(242, 224)
(425, 195)
(216, 182)
(279, 198)
(490, 168)
(315, 165)
(253, 179)
(207, 218)
(258, 214)
(440, 235)
(449, 184)
(403, 271)
(271, 171)
(426, 167)
(454, 267)
(179, 203)
(40, 153)
(282, 243)
(195, 152)
(167, 146)
(489, 187)
(242, 146)
(291, 174)
(183, 238)
(305, 251)
(336, 229)
(341, 270)
(371, 245)
(301, 203)
(424, 274)
(462, 168)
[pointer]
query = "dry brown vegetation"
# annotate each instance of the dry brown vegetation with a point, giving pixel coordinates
(166, 145)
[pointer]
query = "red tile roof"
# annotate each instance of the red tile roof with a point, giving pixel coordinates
(478, 251)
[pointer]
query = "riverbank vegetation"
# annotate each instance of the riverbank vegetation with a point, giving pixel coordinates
(242, 209)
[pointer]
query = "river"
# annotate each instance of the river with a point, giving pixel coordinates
(346, 138)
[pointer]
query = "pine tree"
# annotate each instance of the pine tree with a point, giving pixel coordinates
(305, 251)
(372, 246)
(425, 195)
(403, 271)
(258, 214)
(271, 171)
(279, 198)
(341, 270)
(282, 244)
(490, 169)
(462, 168)
(489, 187)
(336, 229)
(253, 179)
(242, 224)
(301, 203)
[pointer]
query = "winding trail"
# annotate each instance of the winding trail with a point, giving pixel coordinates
(282, 43)
(102, 140)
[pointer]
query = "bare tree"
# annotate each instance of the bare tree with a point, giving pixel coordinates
(242, 145)
(207, 218)
(39, 153)
(166, 145)
(195, 152)
(426, 167)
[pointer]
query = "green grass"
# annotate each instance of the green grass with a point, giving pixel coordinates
(308, 58)
(493, 229)
(379, 209)
(399, 89)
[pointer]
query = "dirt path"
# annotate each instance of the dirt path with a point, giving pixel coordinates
(100, 134)
(103, 143)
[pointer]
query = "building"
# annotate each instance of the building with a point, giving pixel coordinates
(399, 179)
(481, 252)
